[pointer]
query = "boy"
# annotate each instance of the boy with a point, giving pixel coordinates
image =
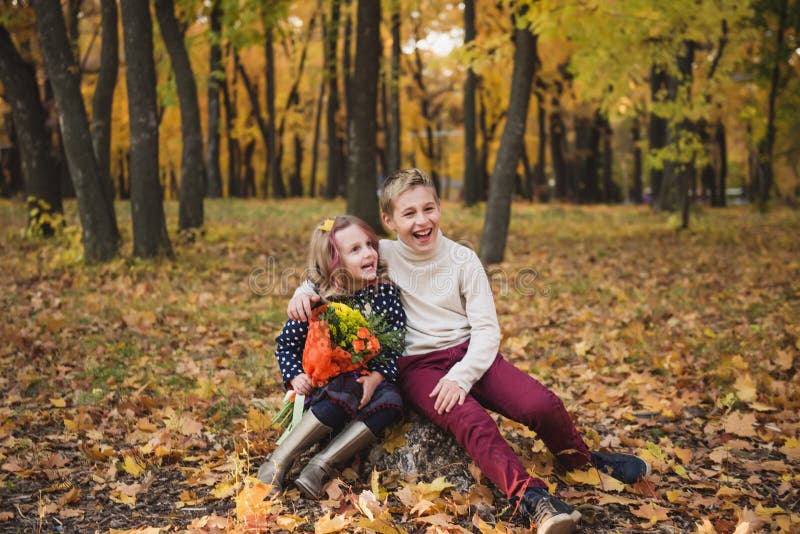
(452, 371)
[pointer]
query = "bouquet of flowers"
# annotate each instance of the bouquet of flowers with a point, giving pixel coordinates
(341, 339)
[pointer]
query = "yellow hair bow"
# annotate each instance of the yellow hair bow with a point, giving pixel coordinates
(326, 225)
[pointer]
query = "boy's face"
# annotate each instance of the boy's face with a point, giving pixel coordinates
(415, 219)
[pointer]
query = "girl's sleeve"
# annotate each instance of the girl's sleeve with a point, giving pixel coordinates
(289, 352)
(387, 303)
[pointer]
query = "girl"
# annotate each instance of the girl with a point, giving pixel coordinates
(344, 266)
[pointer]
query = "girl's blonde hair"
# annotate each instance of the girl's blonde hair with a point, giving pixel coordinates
(325, 270)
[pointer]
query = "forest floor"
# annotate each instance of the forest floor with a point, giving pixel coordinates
(136, 396)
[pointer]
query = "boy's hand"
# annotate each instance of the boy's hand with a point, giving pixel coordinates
(302, 384)
(447, 394)
(370, 383)
(300, 306)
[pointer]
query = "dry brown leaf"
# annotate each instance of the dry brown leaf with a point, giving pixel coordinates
(741, 424)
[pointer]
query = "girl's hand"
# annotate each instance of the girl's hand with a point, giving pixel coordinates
(302, 384)
(370, 383)
(447, 394)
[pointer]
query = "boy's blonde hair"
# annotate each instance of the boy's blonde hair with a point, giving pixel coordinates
(401, 181)
(325, 269)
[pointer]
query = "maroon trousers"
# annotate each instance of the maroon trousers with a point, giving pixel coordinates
(503, 389)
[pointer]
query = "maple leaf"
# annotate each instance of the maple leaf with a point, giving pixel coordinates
(421, 506)
(741, 424)
(209, 521)
(379, 525)
(331, 523)
(652, 512)
(375, 485)
(224, 489)
(395, 437)
(368, 504)
(745, 388)
(252, 499)
(133, 466)
(289, 522)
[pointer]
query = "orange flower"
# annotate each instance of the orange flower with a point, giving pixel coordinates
(373, 344)
(363, 332)
(359, 345)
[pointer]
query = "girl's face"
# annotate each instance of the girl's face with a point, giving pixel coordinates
(357, 255)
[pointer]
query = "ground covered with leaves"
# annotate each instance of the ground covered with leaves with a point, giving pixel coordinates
(137, 395)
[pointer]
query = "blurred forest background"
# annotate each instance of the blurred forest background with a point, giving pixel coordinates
(588, 102)
(139, 394)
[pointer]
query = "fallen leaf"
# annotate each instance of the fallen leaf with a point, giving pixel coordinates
(331, 523)
(741, 424)
(133, 466)
(652, 512)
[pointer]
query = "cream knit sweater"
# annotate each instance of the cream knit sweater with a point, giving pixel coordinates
(447, 300)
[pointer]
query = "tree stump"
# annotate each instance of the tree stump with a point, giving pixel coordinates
(429, 452)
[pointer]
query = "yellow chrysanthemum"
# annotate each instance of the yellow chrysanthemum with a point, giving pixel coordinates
(350, 320)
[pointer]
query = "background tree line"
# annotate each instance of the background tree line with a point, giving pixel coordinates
(639, 101)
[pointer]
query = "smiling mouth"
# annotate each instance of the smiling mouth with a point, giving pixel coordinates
(423, 233)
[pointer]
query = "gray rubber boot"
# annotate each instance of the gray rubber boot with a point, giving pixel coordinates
(343, 447)
(307, 432)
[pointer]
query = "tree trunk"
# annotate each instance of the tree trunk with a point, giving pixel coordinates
(29, 124)
(586, 144)
(248, 186)
(99, 232)
(658, 131)
(394, 131)
(347, 64)
(103, 99)
(315, 142)
(722, 166)
(636, 191)
(708, 181)
(73, 11)
(216, 71)
(526, 186)
(498, 208)
(540, 186)
(362, 196)
(428, 113)
(483, 154)
(193, 172)
(54, 129)
(383, 124)
(558, 141)
(234, 151)
(609, 191)
(687, 169)
(278, 189)
(296, 182)
(767, 145)
(334, 153)
(11, 160)
(292, 101)
(123, 162)
(472, 185)
(150, 237)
